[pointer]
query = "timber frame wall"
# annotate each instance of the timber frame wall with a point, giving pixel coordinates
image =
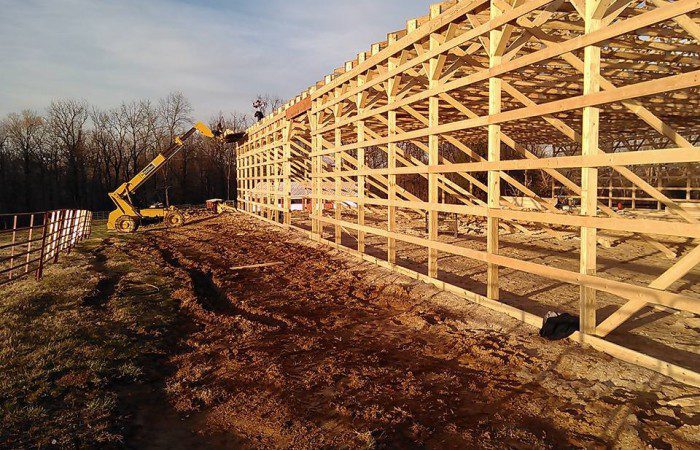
(502, 84)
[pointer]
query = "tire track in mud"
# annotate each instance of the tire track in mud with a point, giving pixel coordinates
(337, 353)
(210, 295)
(108, 281)
(341, 322)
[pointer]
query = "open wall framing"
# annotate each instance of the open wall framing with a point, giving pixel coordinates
(487, 112)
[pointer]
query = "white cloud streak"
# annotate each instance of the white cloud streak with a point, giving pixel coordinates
(218, 53)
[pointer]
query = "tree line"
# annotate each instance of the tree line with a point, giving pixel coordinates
(73, 154)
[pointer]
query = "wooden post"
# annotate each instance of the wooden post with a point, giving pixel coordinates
(59, 236)
(12, 250)
(494, 155)
(361, 179)
(242, 169)
(266, 175)
(660, 186)
(589, 175)
(273, 177)
(288, 172)
(29, 243)
(42, 256)
(433, 151)
(392, 86)
(251, 181)
(315, 170)
(338, 163)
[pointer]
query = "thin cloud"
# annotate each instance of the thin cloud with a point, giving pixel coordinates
(219, 53)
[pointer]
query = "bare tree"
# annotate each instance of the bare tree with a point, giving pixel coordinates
(174, 112)
(223, 154)
(25, 133)
(268, 103)
(75, 154)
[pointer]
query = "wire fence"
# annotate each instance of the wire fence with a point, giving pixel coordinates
(31, 241)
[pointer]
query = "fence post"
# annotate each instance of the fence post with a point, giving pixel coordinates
(86, 223)
(72, 231)
(12, 251)
(81, 226)
(40, 269)
(52, 233)
(61, 219)
(29, 243)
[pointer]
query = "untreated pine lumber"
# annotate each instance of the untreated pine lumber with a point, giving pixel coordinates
(257, 266)
(589, 175)
(496, 48)
(536, 65)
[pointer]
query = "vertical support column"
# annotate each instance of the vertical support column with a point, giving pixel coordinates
(243, 168)
(433, 152)
(338, 164)
(268, 174)
(248, 174)
(391, 89)
(315, 170)
(494, 155)
(262, 179)
(554, 189)
(251, 176)
(659, 186)
(279, 175)
(589, 175)
(255, 160)
(240, 182)
(361, 179)
(287, 184)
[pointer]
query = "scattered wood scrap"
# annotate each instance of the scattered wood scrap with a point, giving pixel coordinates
(258, 266)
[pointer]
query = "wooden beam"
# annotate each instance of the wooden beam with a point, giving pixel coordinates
(391, 90)
(338, 184)
(589, 175)
(361, 179)
(675, 273)
(494, 153)
(433, 152)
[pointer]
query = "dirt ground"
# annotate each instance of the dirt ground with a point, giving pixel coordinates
(325, 351)
(669, 335)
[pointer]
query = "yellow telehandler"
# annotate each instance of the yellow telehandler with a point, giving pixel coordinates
(127, 217)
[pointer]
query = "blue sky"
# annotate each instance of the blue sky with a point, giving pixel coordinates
(220, 54)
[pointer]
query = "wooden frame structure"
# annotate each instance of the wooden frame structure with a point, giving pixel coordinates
(466, 99)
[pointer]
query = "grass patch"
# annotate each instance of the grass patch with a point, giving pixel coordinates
(100, 320)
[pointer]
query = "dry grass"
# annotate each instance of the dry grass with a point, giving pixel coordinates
(71, 343)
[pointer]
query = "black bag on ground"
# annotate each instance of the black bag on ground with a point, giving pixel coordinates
(559, 326)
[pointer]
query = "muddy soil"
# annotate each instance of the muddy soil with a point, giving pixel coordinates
(325, 351)
(669, 335)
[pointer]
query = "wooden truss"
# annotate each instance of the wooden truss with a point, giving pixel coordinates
(585, 93)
